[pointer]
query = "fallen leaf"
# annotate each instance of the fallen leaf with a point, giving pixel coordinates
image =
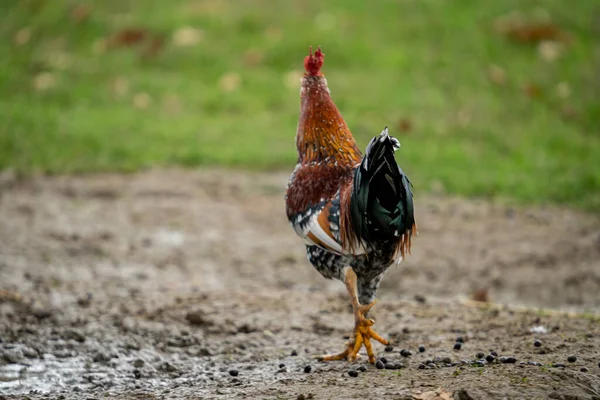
(404, 125)
(187, 36)
(535, 33)
(481, 295)
(230, 82)
(22, 36)
(81, 12)
(141, 100)
(497, 75)
(128, 37)
(532, 90)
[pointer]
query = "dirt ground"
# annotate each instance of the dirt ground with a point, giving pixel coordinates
(159, 284)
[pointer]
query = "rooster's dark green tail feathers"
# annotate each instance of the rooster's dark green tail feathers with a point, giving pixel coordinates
(382, 202)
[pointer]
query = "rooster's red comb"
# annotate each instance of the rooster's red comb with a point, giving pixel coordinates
(313, 63)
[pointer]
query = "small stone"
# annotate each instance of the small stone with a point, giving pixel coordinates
(362, 368)
(405, 353)
(583, 369)
(389, 349)
(572, 359)
(445, 360)
(559, 365)
(480, 355)
(353, 373)
(294, 353)
(507, 360)
(379, 364)
(419, 298)
(460, 339)
(457, 345)
(421, 348)
(490, 358)
(390, 366)
(537, 343)
(494, 353)
(282, 365)
(421, 366)
(384, 360)
(307, 369)
(139, 363)
(234, 372)
(137, 373)
(167, 367)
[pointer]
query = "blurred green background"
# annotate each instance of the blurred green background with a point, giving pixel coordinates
(497, 98)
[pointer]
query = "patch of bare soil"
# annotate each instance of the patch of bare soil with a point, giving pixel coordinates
(183, 284)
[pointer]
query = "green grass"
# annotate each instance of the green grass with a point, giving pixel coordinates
(423, 60)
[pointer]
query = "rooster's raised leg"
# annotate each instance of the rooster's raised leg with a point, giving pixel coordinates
(363, 331)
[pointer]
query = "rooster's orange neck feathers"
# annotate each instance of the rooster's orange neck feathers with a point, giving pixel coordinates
(322, 136)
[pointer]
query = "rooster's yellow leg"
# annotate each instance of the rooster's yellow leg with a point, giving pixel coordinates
(363, 331)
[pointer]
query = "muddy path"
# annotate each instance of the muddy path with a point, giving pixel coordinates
(163, 283)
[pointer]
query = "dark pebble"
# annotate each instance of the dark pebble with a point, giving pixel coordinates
(583, 369)
(137, 373)
(379, 364)
(195, 318)
(457, 346)
(599, 365)
(507, 360)
(480, 363)
(353, 373)
(558, 365)
(490, 358)
(428, 361)
(537, 343)
(405, 353)
(421, 348)
(139, 363)
(294, 353)
(537, 364)
(389, 349)
(421, 366)
(362, 368)
(572, 359)
(390, 366)
(384, 360)
(234, 372)
(460, 339)
(479, 355)
(494, 353)
(446, 360)
(282, 365)
(307, 369)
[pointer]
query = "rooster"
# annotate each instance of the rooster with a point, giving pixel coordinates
(355, 214)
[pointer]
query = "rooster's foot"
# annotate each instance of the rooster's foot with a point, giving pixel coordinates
(363, 333)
